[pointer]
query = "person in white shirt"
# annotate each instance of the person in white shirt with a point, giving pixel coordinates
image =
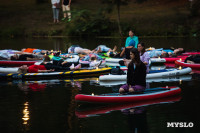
(55, 8)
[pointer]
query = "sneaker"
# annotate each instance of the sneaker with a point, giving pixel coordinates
(63, 19)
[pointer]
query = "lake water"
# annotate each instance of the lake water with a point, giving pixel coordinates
(189, 44)
(48, 106)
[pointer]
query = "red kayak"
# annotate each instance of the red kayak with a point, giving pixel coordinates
(109, 108)
(173, 59)
(169, 65)
(16, 63)
(148, 94)
(181, 63)
(190, 53)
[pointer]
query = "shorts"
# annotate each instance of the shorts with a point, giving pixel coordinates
(137, 88)
(37, 51)
(65, 8)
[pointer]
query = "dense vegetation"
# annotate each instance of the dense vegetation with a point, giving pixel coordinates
(102, 18)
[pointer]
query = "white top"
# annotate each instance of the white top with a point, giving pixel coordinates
(54, 2)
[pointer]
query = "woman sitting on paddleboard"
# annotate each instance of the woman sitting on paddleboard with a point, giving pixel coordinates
(136, 75)
(131, 39)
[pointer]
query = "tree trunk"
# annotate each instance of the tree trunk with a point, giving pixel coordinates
(118, 18)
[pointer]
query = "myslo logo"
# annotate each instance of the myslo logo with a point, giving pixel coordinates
(180, 124)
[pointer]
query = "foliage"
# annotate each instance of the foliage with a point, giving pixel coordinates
(140, 1)
(115, 2)
(195, 8)
(118, 3)
(145, 17)
(86, 23)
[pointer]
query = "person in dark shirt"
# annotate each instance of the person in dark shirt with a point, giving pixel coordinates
(136, 75)
(192, 59)
(26, 57)
(125, 54)
(66, 7)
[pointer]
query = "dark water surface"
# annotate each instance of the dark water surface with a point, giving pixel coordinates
(189, 44)
(49, 107)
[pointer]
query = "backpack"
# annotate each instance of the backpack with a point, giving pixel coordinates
(117, 71)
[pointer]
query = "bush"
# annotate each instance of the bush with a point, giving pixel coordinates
(84, 23)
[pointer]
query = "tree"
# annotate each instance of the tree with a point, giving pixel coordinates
(194, 7)
(118, 4)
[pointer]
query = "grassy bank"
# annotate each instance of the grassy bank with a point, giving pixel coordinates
(150, 18)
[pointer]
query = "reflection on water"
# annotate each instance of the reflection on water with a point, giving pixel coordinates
(137, 120)
(189, 44)
(53, 109)
(76, 86)
(25, 117)
(48, 101)
(91, 110)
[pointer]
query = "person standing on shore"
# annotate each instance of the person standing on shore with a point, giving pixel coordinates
(66, 9)
(132, 39)
(55, 8)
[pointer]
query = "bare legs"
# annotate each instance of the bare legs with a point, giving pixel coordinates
(131, 88)
(121, 90)
(115, 48)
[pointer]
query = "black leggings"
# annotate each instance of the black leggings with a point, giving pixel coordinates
(57, 68)
(68, 64)
(195, 59)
